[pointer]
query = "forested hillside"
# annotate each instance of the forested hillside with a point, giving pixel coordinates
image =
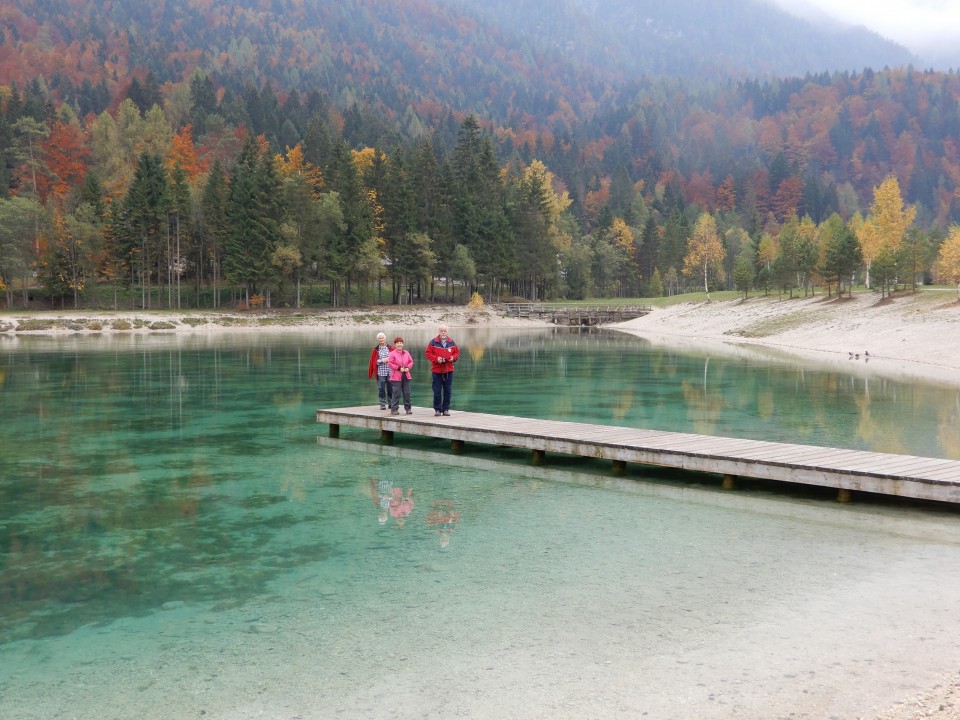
(251, 147)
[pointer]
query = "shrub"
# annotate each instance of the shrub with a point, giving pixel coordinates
(476, 301)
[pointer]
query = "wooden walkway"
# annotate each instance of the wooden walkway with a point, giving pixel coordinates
(846, 470)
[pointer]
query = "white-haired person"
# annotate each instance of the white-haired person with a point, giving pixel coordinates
(379, 368)
(442, 352)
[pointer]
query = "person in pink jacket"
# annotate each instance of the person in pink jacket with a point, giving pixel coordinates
(401, 362)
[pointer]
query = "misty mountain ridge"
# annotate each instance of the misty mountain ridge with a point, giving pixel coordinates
(703, 39)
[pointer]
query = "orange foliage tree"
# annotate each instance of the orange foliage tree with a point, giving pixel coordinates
(183, 152)
(65, 154)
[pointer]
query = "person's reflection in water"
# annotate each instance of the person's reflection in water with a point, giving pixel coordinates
(400, 506)
(381, 492)
(443, 516)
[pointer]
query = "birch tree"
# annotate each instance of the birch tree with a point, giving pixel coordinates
(705, 252)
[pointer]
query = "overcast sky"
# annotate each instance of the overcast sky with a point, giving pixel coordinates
(923, 26)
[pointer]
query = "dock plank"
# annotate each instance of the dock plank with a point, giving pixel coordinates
(845, 469)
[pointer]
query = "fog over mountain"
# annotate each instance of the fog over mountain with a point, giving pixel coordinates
(691, 38)
(926, 27)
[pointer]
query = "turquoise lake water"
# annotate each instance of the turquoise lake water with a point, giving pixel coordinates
(179, 538)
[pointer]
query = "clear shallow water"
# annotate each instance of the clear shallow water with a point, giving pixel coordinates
(176, 538)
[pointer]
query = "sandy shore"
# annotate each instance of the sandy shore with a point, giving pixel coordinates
(915, 336)
(215, 321)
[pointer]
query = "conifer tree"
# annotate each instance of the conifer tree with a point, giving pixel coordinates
(479, 211)
(353, 251)
(138, 234)
(841, 253)
(254, 208)
(213, 229)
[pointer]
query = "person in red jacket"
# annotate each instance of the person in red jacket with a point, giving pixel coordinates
(379, 368)
(442, 352)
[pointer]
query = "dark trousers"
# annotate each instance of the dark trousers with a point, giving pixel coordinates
(400, 387)
(442, 389)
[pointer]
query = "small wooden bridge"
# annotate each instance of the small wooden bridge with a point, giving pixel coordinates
(576, 316)
(845, 470)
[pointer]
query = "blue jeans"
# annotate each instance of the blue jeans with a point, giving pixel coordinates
(383, 389)
(442, 389)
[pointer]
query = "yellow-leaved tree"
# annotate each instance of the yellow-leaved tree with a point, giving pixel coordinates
(948, 261)
(705, 252)
(881, 233)
(622, 241)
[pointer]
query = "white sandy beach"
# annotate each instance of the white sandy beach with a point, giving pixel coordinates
(911, 336)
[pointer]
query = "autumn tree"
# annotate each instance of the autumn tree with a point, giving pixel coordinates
(705, 252)
(620, 238)
(64, 156)
(884, 229)
(727, 195)
(183, 152)
(948, 261)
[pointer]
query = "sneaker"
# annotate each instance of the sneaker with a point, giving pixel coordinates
(437, 413)
(409, 412)
(383, 407)
(446, 413)
(394, 412)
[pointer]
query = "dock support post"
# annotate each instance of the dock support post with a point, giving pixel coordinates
(457, 446)
(334, 430)
(539, 457)
(619, 467)
(844, 495)
(386, 437)
(729, 482)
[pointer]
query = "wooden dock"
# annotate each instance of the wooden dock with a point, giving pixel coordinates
(845, 470)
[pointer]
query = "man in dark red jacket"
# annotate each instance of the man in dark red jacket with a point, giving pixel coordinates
(442, 352)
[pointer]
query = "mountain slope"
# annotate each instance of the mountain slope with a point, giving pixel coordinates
(707, 39)
(497, 58)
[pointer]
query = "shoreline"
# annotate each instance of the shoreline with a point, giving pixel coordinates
(910, 337)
